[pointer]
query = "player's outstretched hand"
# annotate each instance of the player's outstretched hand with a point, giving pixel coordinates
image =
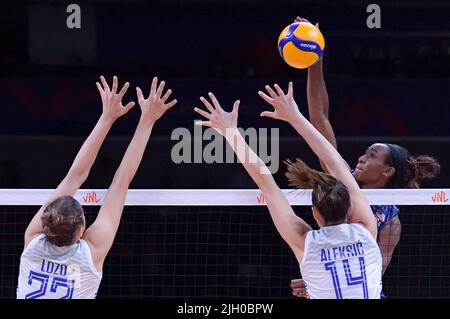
(300, 19)
(284, 105)
(111, 100)
(217, 118)
(154, 106)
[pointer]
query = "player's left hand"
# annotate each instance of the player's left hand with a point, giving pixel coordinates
(111, 100)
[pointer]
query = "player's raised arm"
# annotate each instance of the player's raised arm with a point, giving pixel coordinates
(101, 234)
(292, 228)
(79, 171)
(285, 108)
(318, 101)
(317, 96)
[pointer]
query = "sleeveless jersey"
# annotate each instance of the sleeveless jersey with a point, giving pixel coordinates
(342, 261)
(51, 272)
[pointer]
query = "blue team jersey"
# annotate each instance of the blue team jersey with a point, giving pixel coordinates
(383, 213)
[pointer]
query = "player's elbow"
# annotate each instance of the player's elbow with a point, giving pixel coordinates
(77, 176)
(122, 180)
(319, 117)
(267, 185)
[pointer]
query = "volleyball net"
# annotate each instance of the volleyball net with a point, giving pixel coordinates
(223, 244)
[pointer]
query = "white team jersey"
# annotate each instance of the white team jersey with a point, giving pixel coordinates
(342, 262)
(51, 272)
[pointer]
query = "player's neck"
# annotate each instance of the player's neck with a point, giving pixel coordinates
(334, 223)
(377, 184)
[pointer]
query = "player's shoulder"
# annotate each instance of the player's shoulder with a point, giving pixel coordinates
(32, 242)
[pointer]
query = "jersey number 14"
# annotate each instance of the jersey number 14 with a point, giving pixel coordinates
(350, 279)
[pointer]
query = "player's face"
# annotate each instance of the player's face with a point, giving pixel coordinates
(372, 170)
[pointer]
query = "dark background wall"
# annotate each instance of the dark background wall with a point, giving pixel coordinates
(384, 83)
(42, 162)
(397, 74)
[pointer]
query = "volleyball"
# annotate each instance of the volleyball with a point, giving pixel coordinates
(301, 44)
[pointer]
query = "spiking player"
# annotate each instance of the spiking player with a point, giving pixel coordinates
(383, 165)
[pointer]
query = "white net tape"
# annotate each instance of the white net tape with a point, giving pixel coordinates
(221, 197)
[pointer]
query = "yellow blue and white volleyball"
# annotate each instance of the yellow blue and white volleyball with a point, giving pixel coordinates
(301, 44)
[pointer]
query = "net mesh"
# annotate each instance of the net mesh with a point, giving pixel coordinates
(230, 251)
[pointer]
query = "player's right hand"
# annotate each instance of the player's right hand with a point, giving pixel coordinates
(154, 106)
(217, 118)
(300, 19)
(284, 106)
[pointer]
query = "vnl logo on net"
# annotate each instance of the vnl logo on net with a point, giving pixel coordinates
(192, 149)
